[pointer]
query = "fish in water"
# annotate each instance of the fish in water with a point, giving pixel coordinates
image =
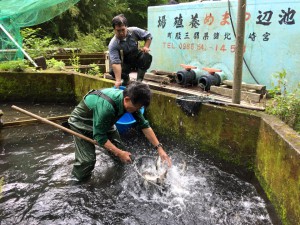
(154, 172)
(158, 176)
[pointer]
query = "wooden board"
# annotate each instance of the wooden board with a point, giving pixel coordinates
(223, 100)
(164, 79)
(245, 95)
(258, 87)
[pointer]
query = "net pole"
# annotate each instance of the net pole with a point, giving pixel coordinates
(44, 120)
(17, 44)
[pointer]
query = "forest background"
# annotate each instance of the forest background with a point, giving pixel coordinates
(87, 25)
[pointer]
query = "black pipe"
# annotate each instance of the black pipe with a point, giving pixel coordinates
(186, 77)
(208, 80)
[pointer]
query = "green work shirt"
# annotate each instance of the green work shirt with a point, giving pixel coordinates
(99, 115)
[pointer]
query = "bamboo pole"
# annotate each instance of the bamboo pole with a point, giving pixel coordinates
(54, 124)
(29, 121)
(238, 62)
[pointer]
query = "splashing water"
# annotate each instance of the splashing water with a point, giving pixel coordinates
(38, 187)
(200, 195)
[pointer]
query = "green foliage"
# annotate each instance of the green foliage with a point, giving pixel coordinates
(88, 16)
(137, 15)
(281, 85)
(85, 17)
(96, 41)
(14, 66)
(94, 70)
(55, 65)
(74, 60)
(35, 44)
(285, 104)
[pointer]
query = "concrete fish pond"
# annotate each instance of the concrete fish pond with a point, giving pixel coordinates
(36, 163)
(217, 142)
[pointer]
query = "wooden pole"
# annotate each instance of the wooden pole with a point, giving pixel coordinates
(55, 125)
(29, 121)
(239, 44)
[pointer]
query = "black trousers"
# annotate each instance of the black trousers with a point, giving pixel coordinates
(140, 63)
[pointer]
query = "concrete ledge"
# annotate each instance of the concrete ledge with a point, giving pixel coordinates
(277, 167)
(37, 86)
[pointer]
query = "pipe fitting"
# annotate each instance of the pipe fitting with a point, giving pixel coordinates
(206, 81)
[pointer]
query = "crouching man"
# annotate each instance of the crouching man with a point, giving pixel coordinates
(124, 54)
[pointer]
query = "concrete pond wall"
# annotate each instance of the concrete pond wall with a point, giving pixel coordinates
(253, 140)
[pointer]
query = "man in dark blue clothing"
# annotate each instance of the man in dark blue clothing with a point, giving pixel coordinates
(124, 54)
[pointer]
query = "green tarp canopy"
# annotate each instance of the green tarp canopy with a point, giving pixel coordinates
(15, 14)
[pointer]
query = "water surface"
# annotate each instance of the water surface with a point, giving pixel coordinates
(36, 162)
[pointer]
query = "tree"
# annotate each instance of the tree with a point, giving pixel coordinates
(138, 11)
(89, 15)
(84, 17)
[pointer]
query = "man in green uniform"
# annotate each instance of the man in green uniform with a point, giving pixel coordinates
(95, 117)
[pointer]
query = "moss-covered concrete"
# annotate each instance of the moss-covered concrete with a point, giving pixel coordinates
(231, 134)
(278, 167)
(48, 86)
(36, 87)
(256, 141)
(85, 83)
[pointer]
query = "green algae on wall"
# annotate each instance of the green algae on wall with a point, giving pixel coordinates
(278, 169)
(85, 83)
(48, 86)
(230, 134)
(243, 138)
(35, 87)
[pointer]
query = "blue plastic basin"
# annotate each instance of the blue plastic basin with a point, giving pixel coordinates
(127, 120)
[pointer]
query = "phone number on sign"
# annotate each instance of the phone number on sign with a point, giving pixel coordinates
(201, 47)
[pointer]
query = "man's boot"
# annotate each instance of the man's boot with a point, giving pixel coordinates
(140, 75)
(126, 79)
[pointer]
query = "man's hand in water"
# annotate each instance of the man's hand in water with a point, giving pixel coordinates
(164, 156)
(125, 157)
